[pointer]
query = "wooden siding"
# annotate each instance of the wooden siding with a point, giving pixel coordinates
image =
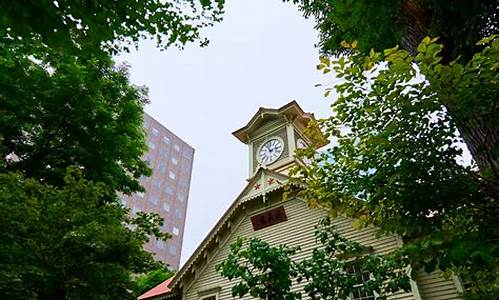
(433, 286)
(298, 230)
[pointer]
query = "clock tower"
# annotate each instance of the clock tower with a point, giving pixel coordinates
(272, 135)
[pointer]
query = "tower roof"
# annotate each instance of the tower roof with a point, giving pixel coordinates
(291, 111)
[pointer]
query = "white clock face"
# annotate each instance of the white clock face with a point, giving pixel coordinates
(301, 144)
(270, 151)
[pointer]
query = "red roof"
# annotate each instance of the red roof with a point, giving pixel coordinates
(160, 289)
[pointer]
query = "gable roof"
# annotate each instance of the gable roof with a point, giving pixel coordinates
(160, 289)
(263, 182)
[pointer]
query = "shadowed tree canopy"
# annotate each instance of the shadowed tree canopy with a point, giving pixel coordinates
(113, 25)
(383, 24)
(62, 243)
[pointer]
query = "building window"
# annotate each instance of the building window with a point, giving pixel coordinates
(135, 210)
(178, 213)
(151, 145)
(166, 207)
(361, 277)
(175, 231)
(172, 249)
(185, 166)
(160, 244)
(180, 196)
(209, 297)
(183, 182)
(140, 194)
(169, 190)
(162, 168)
(187, 152)
(153, 199)
(157, 183)
(177, 148)
(171, 174)
(174, 160)
(166, 140)
(123, 202)
(155, 131)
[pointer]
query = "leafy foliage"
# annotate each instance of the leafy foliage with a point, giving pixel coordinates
(72, 26)
(62, 243)
(395, 162)
(58, 110)
(149, 280)
(469, 92)
(329, 271)
(333, 271)
(381, 25)
(265, 272)
(373, 25)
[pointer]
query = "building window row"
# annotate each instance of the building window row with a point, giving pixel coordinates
(155, 131)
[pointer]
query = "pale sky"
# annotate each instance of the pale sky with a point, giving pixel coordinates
(262, 54)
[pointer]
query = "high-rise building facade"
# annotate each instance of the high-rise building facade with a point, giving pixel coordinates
(166, 190)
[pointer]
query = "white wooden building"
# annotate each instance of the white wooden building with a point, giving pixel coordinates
(272, 136)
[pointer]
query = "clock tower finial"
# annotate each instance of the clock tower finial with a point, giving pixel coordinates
(273, 134)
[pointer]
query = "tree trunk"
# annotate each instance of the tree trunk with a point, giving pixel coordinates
(481, 138)
(480, 134)
(417, 25)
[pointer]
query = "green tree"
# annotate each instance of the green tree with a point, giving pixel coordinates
(72, 26)
(62, 243)
(264, 271)
(58, 111)
(149, 280)
(380, 25)
(395, 162)
(339, 268)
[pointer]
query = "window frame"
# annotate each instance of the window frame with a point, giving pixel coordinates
(206, 297)
(359, 273)
(209, 292)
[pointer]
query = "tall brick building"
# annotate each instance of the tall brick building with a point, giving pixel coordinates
(167, 190)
